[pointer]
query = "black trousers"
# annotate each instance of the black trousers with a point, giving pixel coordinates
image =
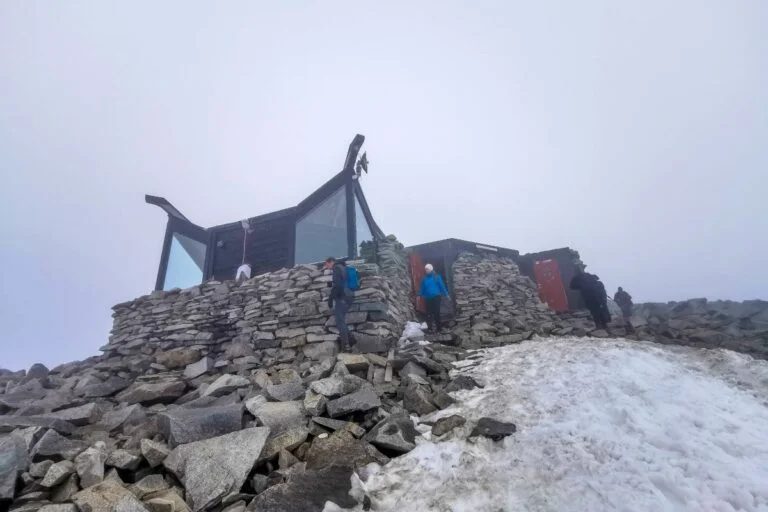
(433, 313)
(599, 313)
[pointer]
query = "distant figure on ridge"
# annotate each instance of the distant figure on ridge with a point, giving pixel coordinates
(433, 290)
(339, 299)
(624, 301)
(594, 295)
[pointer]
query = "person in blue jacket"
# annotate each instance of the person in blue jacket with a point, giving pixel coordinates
(433, 290)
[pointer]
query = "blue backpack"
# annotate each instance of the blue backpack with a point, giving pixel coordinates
(353, 281)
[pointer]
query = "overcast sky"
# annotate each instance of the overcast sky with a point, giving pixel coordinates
(634, 132)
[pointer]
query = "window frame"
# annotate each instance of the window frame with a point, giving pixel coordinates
(185, 228)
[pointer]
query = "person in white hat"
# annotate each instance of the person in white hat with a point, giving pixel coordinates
(433, 290)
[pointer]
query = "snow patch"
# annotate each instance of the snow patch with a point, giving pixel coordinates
(602, 425)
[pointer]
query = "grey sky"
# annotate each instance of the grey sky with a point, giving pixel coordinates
(633, 132)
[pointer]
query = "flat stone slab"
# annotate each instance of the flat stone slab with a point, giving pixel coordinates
(216, 467)
(363, 400)
(187, 425)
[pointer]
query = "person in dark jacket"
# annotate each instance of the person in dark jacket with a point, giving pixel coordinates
(624, 301)
(594, 295)
(339, 299)
(433, 290)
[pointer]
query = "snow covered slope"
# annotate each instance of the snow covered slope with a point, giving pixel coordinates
(602, 425)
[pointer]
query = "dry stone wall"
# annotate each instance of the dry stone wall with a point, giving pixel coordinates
(495, 303)
(273, 317)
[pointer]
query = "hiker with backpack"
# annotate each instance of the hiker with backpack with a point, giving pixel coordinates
(433, 290)
(343, 284)
(594, 295)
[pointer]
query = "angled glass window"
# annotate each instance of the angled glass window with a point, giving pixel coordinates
(323, 231)
(185, 263)
(365, 246)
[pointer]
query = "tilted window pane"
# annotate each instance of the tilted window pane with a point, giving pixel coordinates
(185, 263)
(365, 247)
(323, 231)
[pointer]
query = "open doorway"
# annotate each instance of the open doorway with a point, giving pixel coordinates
(417, 262)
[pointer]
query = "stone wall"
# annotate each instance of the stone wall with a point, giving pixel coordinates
(740, 326)
(495, 303)
(279, 314)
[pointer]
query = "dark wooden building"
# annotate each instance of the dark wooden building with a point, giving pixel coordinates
(335, 220)
(552, 270)
(442, 255)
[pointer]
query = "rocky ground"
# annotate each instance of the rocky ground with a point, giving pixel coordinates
(213, 435)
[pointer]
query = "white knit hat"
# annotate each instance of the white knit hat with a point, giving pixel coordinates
(428, 267)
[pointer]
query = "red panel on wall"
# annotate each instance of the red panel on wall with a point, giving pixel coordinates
(550, 284)
(417, 274)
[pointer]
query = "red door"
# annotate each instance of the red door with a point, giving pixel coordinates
(417, 274)
(550, 284)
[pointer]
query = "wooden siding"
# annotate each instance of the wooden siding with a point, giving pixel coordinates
(269, 247)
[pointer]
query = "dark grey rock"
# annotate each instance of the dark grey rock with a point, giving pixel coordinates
(147, 393)
(417, 399)
(155, 452)
(337, 385)
(104, 389)
(493, 429)
(430, 365)
(354, 362)
(225, 385)
(307, 491)
(150, 484)
(90, 465)
(320, 351)
(445, 425)
(30, 435)
(314, 404)
(396, 434)
(60, 507)
(37, 371)
(177, 358)
(286, 440)
(201, 367)
(289, 391)
(259, 483)
(13, 461)
(66, 491)
(363, 400)
(21, 398)
(350, 426)
(442, 399)
(57, 473)
(278, 416)
(79, 416)
(107, 496)
(341, 448)
(186, 425)
(214, 468)
(371, 344)
(11, 423)
(166, 501)
(122, 417)
(53, 445)
(286, 459)
(412, 368)
(38, 470)
(123, 459)
(462, 382)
